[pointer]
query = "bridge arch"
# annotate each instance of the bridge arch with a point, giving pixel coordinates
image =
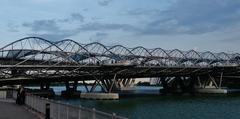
(159, 52)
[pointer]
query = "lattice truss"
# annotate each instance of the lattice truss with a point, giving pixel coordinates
(41, 52)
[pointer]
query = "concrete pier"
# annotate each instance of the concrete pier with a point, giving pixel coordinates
(217, 91)
(212, 91)
(71, 94)
(130, 89)
(100, 96)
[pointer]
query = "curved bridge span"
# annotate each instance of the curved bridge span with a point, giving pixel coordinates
(37, 60)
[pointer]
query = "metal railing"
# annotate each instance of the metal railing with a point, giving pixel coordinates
(59, 110)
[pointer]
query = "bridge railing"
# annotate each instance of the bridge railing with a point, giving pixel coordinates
(59, 110)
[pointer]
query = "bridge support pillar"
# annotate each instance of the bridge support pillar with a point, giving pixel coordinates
(172, 85)
(44, 91)
(71, 89)
(165, 86)
(211, 84)
(114, 84)
(178, 84)
(191, 87)
(125, 85)
(107, 85)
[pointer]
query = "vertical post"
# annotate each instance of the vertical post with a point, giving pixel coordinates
(47, 113)
(53, 107)
(94, 86)
(199, 82)
(32, 103)
(67, 111)
(113, 115)
(37, 103)
(67, 86)
(42, 105)
(27, 102)
(85, 85)
(213, 80)
(58, 110)
(79, 112)
(47, 86)
(164, 85)
(220, 82)
(94, 113)
(113, 82)
(75, 84)
(41, 86)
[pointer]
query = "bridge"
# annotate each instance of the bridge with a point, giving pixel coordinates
(34, 60)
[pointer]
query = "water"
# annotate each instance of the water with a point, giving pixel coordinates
(167, 107)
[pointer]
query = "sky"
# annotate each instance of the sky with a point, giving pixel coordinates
(202, 25)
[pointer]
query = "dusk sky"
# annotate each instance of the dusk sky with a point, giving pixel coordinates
(185, 24)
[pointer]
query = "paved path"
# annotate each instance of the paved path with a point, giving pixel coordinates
(9, 110)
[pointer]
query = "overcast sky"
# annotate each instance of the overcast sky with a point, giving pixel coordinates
(185, 24)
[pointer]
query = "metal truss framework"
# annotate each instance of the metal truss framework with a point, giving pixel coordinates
(37, 57)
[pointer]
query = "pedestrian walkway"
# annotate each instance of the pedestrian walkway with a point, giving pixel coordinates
(10, 110)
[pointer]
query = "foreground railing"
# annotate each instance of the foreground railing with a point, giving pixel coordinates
(59, 110)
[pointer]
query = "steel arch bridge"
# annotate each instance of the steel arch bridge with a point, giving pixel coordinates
(38, 58)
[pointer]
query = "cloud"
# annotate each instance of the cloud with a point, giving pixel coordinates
(77, 16)
(104, 2)
(12, 27)
(143, 12)
(101, 34)
(42, 25)
(51, 37)
(98, 37)
(105, 26)
(85, 9)
(191, 17)
(55, 36)
(51, 28)
(182, 17)
(73, 17)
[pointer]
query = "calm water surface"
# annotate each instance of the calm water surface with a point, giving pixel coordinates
(166, 107)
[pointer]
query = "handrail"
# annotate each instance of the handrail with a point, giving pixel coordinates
(60, 110)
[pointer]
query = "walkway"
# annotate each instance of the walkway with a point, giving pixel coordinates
(9, 110)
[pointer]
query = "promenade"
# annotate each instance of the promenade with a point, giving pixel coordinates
(10, 110)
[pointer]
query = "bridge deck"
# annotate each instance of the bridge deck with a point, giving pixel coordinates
(68, 60)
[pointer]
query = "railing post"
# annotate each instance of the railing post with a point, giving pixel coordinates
(67, 111)
(79, 112)
(42, 104)
(47, 107)
(32, 102)
(94, 113)
(58, 110)
(47, 113)
(113, 115)
(52, 107)
(27, 100)
(36, 103)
